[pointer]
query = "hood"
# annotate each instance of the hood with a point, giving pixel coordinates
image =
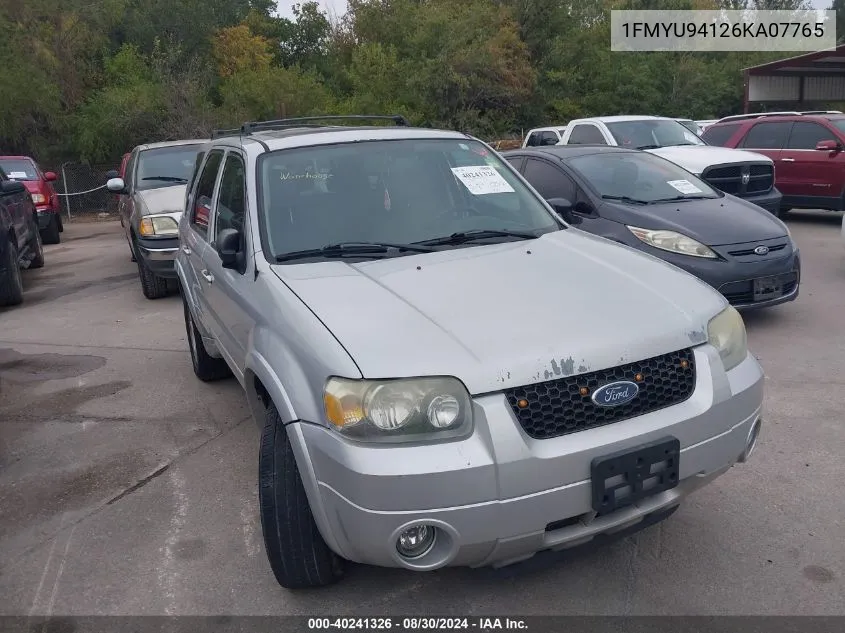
(726, 220)
(508, 314)
(696, 158)
(35, 186)
(162, 200)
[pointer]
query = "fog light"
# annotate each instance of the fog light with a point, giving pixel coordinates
(416, 541)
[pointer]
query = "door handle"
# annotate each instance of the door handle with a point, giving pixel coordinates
(788, 160)
(186, 250)
(207, 276)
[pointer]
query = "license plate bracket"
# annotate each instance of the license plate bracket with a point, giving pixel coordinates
(623, 478)
(768, 288)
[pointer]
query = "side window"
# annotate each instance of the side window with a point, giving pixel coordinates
(720, 134)
(515, 161)
(129, 176)
(806, 135)
(767, 135)
(533, 139)
(585, 134)
(205, 190)
(548, 180)
(231, 201)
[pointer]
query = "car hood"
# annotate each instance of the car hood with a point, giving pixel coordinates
(510, 314)
(696, 158)
(34, 186)
(161, 200)
(726, 220)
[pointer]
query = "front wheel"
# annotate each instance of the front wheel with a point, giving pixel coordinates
(153, 286)
(298, 555)
(50, 234)
(11, 285)
(37, 249)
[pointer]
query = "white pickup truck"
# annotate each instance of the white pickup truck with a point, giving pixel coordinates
(743, 174)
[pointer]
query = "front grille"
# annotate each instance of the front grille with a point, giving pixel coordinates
(728, 178)
(556, 407)
(743, 252)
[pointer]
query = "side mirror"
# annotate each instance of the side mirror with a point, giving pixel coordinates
(50, 176)
(829, 146)
(12, 186)
(229, 247)
(563, 208)
(111, 174)
(116, 185)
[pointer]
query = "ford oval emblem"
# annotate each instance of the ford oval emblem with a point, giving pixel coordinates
(761, 250)
(615, 394)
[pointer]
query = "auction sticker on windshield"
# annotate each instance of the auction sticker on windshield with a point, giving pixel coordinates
(481, 180)
(684, 186)
(17, 174)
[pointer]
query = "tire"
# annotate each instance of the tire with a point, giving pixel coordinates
(206, 367)
(50, 234)
(11, 285)
(37, 248)
(153, 286)
(61, 223)
(298, 555)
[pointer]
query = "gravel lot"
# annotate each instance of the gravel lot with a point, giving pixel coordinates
(129, 487)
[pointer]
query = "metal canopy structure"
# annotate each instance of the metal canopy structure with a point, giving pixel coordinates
(807, 79)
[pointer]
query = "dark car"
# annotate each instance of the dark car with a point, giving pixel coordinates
(20, 240)
(648, 203)
(808, 150)
(40, 187)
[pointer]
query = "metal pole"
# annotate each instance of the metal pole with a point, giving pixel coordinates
(67, 197)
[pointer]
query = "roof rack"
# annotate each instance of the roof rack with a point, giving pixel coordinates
(822, 112)
(304, 122)
(760, 115)
(231, 132)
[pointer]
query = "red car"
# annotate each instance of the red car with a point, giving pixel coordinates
(808, 151)
(38, 183)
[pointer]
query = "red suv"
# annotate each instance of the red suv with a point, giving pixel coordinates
(808, 151)
(38, 183)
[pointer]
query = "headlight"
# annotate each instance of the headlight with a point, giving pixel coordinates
(39, 198)
(726, 332)
(673, 242)
(404, 409)
(158, 225)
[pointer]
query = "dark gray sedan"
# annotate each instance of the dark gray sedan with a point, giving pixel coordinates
(152, 198)
(648, 203)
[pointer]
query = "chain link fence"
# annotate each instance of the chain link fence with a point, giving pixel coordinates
(82, 189)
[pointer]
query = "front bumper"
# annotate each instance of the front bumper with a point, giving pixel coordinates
(159, 255)
(499, 496)
(770, 201)
(45, 215)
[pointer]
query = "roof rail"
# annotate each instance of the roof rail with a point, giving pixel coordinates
(310, 121)
(822, 112)
(757, 115)
(231, 132)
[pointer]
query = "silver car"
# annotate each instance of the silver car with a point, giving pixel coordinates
(445, 373)
(152, 196)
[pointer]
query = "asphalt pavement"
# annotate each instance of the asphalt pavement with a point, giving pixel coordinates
(127, 486)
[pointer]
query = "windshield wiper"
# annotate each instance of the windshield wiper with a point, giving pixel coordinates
(678, 198)
(343, 249)
(463, 237)
(166, 178)
(648, 147)
(625, 199)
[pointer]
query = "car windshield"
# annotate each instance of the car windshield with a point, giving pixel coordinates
(839, 124)
(692, 126)
(651, 133)
(394, 192)
(165, 166)
(640, 177)
(19, 168)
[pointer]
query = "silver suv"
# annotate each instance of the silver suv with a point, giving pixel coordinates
(445, 372)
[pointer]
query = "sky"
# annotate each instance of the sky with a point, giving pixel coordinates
(338, 7)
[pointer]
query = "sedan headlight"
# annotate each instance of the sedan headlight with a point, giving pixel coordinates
(407, 409)
(673, 242)
(158, 225)
(39, 198)
(726, 332)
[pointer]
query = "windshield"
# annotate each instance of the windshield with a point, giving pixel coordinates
(692, 126)
(839, 124)
(165, 166)
(639, 176)
(19, 169)
(396, 192)
(652, 133)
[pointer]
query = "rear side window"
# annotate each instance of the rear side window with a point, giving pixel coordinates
(806, 135)
(771, 135)
(720, 134)
(548, 180)
(586, 135)
(205, 190)
(533, 139)
(550, 138)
